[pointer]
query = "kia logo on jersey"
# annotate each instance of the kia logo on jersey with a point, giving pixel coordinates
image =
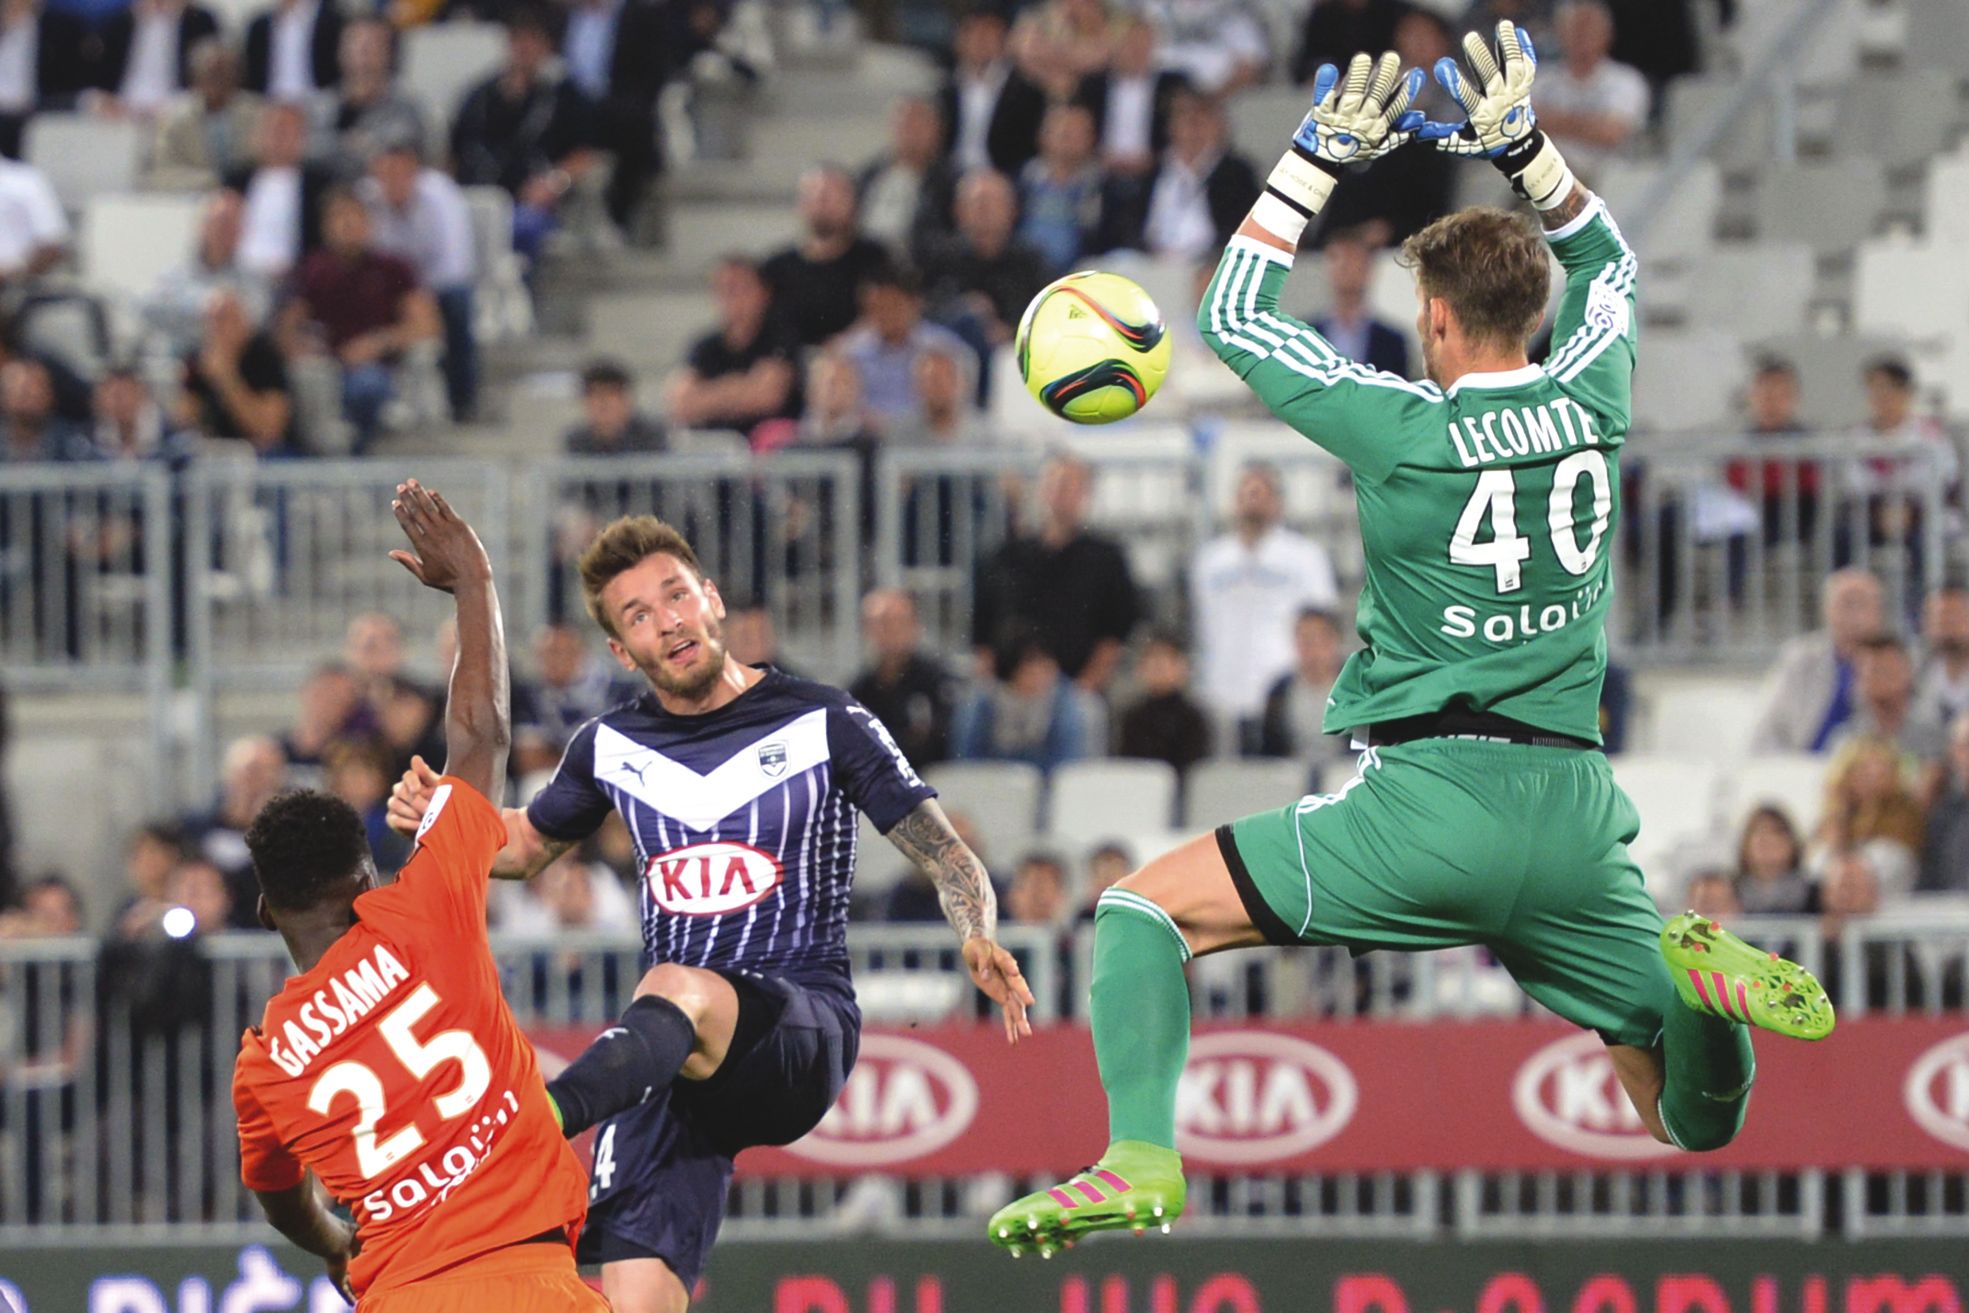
(1937, 1091)
(711, 879)
(1568, 1095)
(905, 1099)
(1247, 1097)
(772, 759)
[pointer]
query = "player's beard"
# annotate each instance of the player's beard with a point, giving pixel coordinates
(692, 684)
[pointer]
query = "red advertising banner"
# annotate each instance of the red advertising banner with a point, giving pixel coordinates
(1497, 1095)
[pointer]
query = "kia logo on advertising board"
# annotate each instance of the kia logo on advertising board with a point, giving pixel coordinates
(1937, 1091)
(1568, 1095)
(903, 1100)
(1249, 1097)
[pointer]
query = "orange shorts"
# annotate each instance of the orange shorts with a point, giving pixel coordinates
(516, 1279)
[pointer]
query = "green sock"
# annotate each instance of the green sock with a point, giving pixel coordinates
(1141, 1015)
(1709, 1066)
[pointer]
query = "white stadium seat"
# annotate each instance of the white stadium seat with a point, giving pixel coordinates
(1794, 781)
(127, 243)
(1706, 711)
(1937, 38)
(1830, 207)
(1687, 380)
(1747, 141)
(1220, 790)
(1686, 226)
(1945, 216)
(84, 156)
(442, 61)
(1000, 797)
(1744, 289)
(1912, 290)
(1900, 120)
(1095, 800)
(1676, 796)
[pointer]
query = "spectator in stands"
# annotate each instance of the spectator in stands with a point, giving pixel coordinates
(1165, 723)
(331, 709)
(745, 372)
(571, 684)
(1294, 717)
(358, 771)
(1063, 588)
(1399, 194)
(1038, 895)
(1220, 47)
(254, 769)
(1785, 492)
(1945, 846)
(1246, 589)
(750, 635)
(1589, 104)
(293, 50)
(887, 342)
(990, 108)
(1661, 38)
(1348, 323)
(816, 282)
(1336, 30)
(208, 134)
(1059, 42)
(366, 110)
(612, 425)
(368, 307)
(1942, 686)
(50, 908)
(525, 130)
(146, 56)
(30, 429)
(1710, 893)
(1027, 711)
(1130, 101)
(131, 426)
(1061, 189)
(572, 893)
(1892, 487)
(1107, 865)
(1534, 16)
(1810, 692)
(202, 889)
(1199, 194)
(905, 194)
(981, 277)
(945, 413)
(1868, 797)
(149, 857)
(176, 308)
(43, 65)
(1884, 706)
(33, 228)
(619, 54)
(1770, 876)
(281, 222)
(1857, 882)
(235, 384)
(419, 215)
(906, 688)
(837, 410)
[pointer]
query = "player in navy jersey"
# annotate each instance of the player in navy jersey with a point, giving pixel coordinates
(739, 785)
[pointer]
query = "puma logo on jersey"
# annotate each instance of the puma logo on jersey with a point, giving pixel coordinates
(631, 768)
(349, 998)
(1494, 436)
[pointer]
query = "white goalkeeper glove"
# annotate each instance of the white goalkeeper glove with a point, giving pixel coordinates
(1354, 120)
(1502, 126)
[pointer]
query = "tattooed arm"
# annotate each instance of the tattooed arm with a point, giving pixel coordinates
(1566, 210)
(970, 905)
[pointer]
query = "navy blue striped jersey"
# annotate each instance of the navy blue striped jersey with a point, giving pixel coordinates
(743, 819)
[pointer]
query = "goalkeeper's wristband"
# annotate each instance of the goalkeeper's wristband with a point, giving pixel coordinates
(1536, 170)
(1298, 187)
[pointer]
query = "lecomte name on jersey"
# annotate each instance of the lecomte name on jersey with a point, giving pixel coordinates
(348, 998)
(1494, 436)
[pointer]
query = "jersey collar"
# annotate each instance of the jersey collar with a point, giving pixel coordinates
(1503, 378)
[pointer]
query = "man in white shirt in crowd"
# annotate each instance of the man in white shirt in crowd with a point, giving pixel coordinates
(905, 193)
(1202, 188)
(1130, 101)
(1589, 104)
(1219, 47)
(990, 109)
(33, 229)
(146, 59)
(420, 215)
(281, 221)
(292, 49)
(1246, 588)
(209, 133)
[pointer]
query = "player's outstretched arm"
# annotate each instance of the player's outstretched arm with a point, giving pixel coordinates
(305, 1216)
(449, 557)
(970, 905)
(527, 852)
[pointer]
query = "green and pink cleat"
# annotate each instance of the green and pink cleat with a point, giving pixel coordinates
(1136, 1185)
(1717, 973)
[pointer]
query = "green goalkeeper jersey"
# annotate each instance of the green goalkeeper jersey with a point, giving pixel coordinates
(1488, 511)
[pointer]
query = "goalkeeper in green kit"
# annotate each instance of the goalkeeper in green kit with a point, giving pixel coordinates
(1483, 811)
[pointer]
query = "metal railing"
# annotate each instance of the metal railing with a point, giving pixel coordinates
(115, 1062)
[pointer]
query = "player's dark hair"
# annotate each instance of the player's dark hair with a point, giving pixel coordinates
(1490, 266)
(304, 844)
(621, 547)
(1893, 369)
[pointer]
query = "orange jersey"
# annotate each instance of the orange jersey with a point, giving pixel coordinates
(395, 1070)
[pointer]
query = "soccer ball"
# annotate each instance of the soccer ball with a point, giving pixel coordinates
(1092, 347)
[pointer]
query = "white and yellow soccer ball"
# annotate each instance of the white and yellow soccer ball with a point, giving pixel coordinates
(1092, 347)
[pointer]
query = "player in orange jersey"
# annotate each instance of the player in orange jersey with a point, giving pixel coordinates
(390, 1075)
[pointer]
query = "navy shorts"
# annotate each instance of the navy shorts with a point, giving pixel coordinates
(657, 1189)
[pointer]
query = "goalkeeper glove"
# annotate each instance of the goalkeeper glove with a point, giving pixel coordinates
(1502, 126)
(1361, 118)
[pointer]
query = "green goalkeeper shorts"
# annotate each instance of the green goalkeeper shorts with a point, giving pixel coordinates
(1441, 842)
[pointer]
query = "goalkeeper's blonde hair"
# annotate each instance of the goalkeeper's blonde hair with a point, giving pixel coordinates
(1491, 266)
